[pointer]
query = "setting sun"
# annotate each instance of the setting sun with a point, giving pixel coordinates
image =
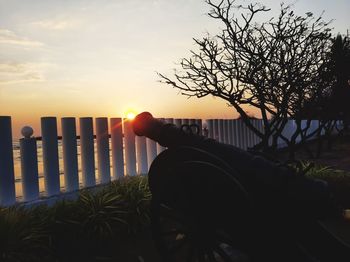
(130, 115)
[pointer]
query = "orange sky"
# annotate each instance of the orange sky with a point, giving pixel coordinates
(192, 108)
(100, 57)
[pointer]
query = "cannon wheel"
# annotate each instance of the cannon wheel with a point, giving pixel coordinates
(191, 219)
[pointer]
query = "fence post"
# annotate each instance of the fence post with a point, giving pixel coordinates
(244, 135)
(235, 132)
(70, 154)
(323, 130)
(261, 128)
(210, 126)
(185, 121)
(160, 148)
(254, 140)
(216, 129)
(230, 131)
(192, 121)
(314, 125)
(102, 143)
(177, 122)
(117, 147)
(151, 151)
(141, 153)
(227, 131)
(50, 155)
(257, 126)
(130, 151)
(7, 180)
(254, 123)
(236, 135)
(224, 131)
(221, 131)
(240, 133)
(29, 165)
(287, 132)
(249, 132)
(200, 126)
(169, 120)
(87, 152)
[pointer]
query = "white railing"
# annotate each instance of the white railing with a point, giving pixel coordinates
(116, 149)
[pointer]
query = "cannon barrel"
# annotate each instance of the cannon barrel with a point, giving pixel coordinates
(166, 134)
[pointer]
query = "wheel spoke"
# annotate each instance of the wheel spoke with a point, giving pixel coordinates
(170, 213)
(218, 249)
(200, 255)
(211, 256)
(177, 245)
(223, 238)
(172, 232)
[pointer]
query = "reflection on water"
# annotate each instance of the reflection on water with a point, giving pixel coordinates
(17, 166)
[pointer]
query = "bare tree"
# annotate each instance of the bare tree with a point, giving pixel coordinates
(272, 66)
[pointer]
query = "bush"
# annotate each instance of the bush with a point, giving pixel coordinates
(338, 180)
(137, 195)
(79, 229)
(22, 236)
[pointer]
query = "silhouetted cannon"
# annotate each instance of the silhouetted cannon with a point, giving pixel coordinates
(216, 202)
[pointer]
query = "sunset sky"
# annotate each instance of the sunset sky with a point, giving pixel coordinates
(100, 57)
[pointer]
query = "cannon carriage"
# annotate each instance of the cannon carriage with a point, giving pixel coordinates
(197, 207)
(214, 202)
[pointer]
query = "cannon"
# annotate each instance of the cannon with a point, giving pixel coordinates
(216, 202)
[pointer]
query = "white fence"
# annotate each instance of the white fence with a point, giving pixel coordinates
(114, 147)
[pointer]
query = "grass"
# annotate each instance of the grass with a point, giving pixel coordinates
(88, 228)
(338, 181)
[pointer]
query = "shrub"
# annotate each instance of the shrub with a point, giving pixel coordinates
(338, 180)
(77, 229)
(22, 236)
(135, 192)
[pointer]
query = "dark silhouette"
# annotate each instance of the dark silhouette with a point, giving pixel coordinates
(273, 66)
(331, 102)
(340, 69)
(216, 202)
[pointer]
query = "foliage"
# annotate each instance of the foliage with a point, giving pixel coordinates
(275, 66)
(338, 180)
(136, 193)
(100, 213)
(340, 70)
(77, 228)
(322, 172)
(332, 102)
(22, 236)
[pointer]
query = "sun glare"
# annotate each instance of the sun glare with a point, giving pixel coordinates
(130, 115)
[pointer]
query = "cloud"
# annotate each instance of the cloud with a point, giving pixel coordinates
(60, 24)
(14, 72)
(11, 38)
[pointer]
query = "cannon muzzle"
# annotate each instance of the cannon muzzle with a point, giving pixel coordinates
(145, 124)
